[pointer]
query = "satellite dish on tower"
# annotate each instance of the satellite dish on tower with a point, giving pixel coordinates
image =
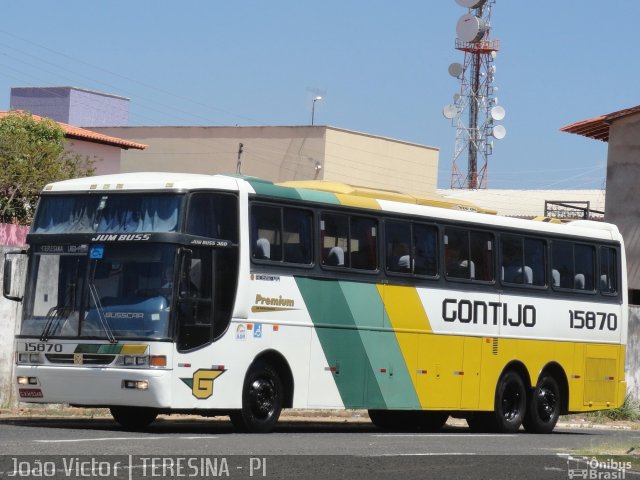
(471, 29)
(456, 69)
(498, 112)
(499, 132)
(449, 111)
(456, 97)
(471, 3)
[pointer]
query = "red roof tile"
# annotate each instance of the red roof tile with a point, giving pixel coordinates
(87, 135)
(598, 127)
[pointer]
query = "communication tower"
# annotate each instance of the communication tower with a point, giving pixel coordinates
(476, 101)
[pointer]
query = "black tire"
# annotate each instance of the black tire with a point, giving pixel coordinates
(262, 400)
(543, 410)
(133, 418)
(408, 420)
(510, 403)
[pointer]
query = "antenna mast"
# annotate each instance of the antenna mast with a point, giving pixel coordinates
(476, 99)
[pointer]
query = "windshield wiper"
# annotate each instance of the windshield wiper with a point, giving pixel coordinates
(103, 319)
(54, 317)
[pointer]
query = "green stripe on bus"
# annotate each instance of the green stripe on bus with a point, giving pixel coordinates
(382, 348)
(341, 342)
(317, 196)
(270, 190)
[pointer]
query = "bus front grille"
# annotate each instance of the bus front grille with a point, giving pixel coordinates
(80, 359)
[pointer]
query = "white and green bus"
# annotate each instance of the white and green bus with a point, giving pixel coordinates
(160, 293)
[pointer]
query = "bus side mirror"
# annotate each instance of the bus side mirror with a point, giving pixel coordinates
(12, 278)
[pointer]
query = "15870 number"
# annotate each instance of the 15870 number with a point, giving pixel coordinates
(42, 347)
(593, 320)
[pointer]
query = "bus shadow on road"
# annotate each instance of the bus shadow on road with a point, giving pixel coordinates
(221, 426)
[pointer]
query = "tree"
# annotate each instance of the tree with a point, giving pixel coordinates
(32, 154)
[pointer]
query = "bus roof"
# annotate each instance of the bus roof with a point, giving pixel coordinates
(335, 193)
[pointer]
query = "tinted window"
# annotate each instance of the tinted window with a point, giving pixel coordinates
(214, 216)
(522, 260)
(608, 270)
(572, 266)
(469, 255)
(281, 234)
(411, 248)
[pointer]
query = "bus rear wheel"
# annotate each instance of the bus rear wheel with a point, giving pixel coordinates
(544, 406)
(262, 400)
(133, 418)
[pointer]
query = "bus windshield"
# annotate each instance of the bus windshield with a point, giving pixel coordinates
(120, 212)
(102, 291)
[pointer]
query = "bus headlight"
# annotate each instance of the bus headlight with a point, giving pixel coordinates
(140, 361)
(135, 384)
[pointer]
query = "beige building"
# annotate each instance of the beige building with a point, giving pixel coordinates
(284, 153)
(622, 131)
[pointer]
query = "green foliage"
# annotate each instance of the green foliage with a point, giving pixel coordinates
(32, 154)
(629, 410)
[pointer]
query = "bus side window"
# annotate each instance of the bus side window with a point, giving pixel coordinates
(334, 234)
(584, 267)
(535, 258)
(266, 232)
(481, 246)
(456, 251)
(398, 245)
(608, 271)
(364, 247)
(562, 263)
(424, 250)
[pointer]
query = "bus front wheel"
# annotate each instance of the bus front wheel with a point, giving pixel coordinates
(262, 400)
(133, 418)
(544, 406)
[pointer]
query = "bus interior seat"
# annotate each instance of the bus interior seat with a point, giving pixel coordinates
(605, 286)
(263, 249)
(579, 281)
(335, 257)
(555, 277)
(528, 275)
(404, 263)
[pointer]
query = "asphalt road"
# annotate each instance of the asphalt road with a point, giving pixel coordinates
(301, 449)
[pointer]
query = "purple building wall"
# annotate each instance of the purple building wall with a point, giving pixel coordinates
(75, 106)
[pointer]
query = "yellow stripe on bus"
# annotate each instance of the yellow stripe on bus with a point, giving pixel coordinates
(133, 349)
(407, 317)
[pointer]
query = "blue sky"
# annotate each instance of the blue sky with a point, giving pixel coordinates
(381, 67)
